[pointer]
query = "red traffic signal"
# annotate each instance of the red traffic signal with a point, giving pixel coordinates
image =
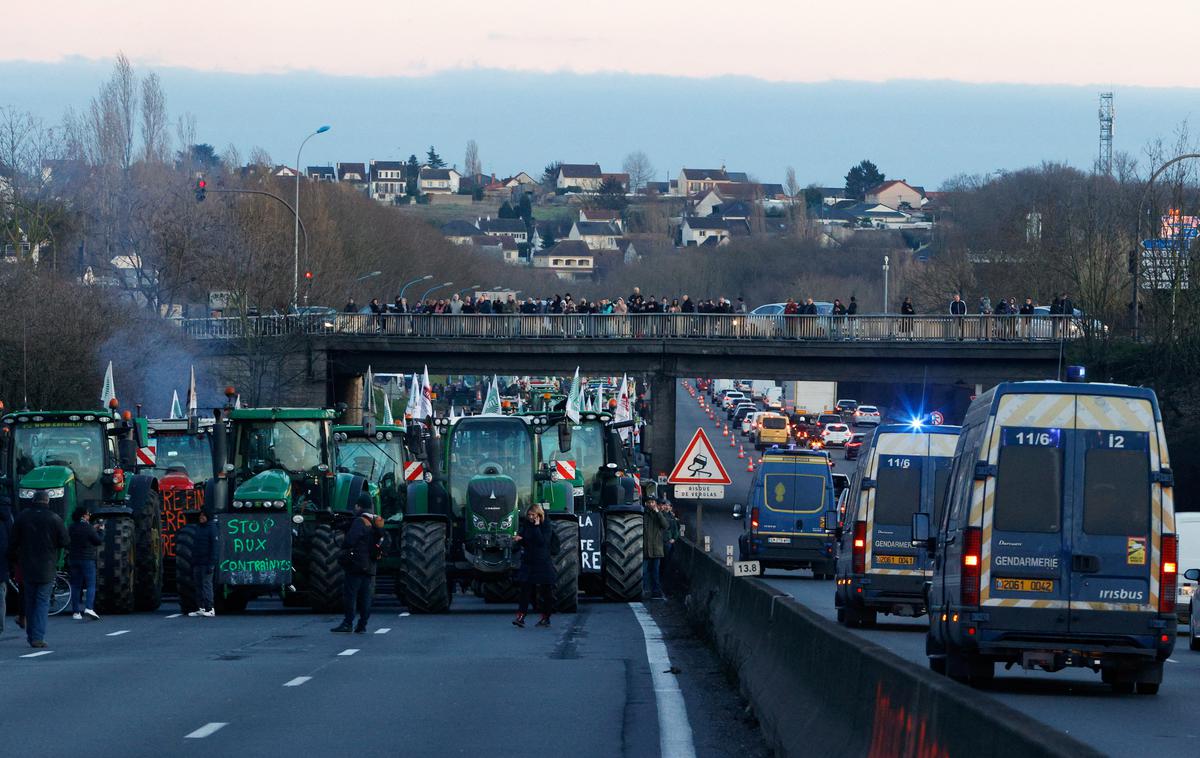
(308, 275)
(201, 189)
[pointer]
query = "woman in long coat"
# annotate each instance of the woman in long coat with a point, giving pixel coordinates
(536, 574)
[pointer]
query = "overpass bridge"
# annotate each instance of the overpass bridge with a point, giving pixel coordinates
(317, 358)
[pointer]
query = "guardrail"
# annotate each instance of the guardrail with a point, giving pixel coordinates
(650, 326)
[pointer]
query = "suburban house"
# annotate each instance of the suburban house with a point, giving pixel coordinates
(659, 188)
(286, 172)
(620, 178)
(598, 235)
(354, 174)
(520, 180)
(896, 194)
(601, 214)
(459, 232)
(718, 201)
(513, 228)
(321, 173)
(579, 177)
(604, 261)
(434, 181)
(388, 181)
(695, 232)
(693, 181)
(570, 260)
(872, 216)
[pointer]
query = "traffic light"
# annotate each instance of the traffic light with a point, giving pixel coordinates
(308, 276)
(201, 189)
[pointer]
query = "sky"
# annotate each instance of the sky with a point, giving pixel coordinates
(927, 93)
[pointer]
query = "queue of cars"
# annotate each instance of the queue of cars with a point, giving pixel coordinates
(1039, 534)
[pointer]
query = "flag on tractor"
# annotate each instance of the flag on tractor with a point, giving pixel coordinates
(414, 391)
(176, 408)
(192, 409)
(387, 410)
(624, 411)
(575, 400)
(492, 403)
(108, 391)
(426, 409)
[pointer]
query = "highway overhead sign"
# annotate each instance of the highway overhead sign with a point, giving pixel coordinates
(699, 464)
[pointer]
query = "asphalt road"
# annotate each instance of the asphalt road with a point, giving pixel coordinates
(1072, 700)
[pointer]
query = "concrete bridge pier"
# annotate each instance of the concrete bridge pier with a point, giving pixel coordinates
(660, 431)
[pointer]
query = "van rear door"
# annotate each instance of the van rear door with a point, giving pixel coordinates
(1114, 540)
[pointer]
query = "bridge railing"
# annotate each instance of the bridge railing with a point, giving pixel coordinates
(872, 328)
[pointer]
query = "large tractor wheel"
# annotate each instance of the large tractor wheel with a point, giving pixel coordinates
(622, 556)
(425, 586)
(115, 562)
(148, 569)
(326, 577)
(566, 565)
(504, 591)
(183, 568)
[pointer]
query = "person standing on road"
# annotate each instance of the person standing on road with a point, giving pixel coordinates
(38, 537)
(361, 551)
(671, 533)
(204, 557)
(81, 563)
(6, 521)
(653, 535)
(536, 575)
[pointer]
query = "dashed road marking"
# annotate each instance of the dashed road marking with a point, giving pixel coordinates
(349, 651)
(35, 655)
(174, 615)
(206, 730)
(384, 630)
(1172, 660)
(406, 613)
(117, 633)
(674, 731)
(297, 681)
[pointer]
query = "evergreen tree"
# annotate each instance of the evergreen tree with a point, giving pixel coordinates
(861, 178)
(525, 208)
(411, 171)
(433, 160)
(507, 211)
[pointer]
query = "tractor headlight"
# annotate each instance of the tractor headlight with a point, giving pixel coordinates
(507, 522)
(56, 492)
(26, 494)
(237, 503)
(478, 522)
(387, 436)
(278, 503)
(297, 519)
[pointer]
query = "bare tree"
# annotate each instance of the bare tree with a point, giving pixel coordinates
(637, 165)
(471, 165)
(155, 147)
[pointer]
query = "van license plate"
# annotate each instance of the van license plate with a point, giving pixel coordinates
(779, 540)
(1025, 585)
(896, 560)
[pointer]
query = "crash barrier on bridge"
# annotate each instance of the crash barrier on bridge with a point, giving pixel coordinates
(877, 328)
(820, 690)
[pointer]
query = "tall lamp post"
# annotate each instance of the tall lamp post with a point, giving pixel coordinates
(431, 289)
(465, 290)
(885, 284)
(403, 289)
(296, 207)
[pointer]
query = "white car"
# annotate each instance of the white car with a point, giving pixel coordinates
(748, 422)
(836, 435)
(1187, 610)
(731, 399)
(866, 415)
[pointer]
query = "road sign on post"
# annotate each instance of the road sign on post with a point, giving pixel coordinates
(936, 418)
(699, 464)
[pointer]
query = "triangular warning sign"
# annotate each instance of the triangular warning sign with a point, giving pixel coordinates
(699, 464)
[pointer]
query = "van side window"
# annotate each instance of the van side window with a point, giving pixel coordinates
(1116, 492)
(961, 475)
(941, 480)
(897, 494)
(1028, 489)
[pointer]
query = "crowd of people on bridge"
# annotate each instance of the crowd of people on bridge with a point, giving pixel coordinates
(558, 304)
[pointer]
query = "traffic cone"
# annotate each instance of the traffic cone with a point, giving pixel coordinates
(750, 465)
(741, 452)
(725, 431)
(732, 441)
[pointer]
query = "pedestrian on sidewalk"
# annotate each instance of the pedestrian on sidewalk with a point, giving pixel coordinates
(672, 532)
(536, 575)
(653, 535)
(81, 563)
(38, 537)
(6, 521)
(204, 557)
(361, 551)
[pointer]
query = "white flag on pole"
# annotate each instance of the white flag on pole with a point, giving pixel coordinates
(575, 400)
(108, 391)
(492, 404)
(426, 409)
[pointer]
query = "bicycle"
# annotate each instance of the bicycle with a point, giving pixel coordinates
(60, 592)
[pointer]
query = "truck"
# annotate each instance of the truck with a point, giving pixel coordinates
(459, 527)
(760, 387)
(280, 507)
(182, 454)
(809, 398)
(90, 457)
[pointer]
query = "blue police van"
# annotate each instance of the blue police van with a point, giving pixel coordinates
(792, 513)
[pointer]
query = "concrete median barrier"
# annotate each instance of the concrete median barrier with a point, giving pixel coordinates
(820, 690)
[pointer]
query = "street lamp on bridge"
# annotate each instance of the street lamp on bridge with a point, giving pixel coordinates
(403, 289)
(431, 289)
(296, 208)
(885, 284)
(465, 290)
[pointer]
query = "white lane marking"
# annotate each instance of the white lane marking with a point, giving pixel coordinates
(297, 681)
(384, 630)
(406, 613)
(1172, 660)
(349, 651)
(117, 633)
(35, 655)
(674, 731)
(206, 730)
(174, 615)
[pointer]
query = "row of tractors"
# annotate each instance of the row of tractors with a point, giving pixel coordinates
(281, 485)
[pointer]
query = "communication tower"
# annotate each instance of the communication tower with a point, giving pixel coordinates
(1104, 164)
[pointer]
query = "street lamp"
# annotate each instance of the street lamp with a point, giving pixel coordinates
(885, 284)
(465, 290)
(368, 276)
(431, 289)
(296, 208)
(425, 278)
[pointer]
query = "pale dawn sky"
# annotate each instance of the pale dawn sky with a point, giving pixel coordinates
(1102, 42)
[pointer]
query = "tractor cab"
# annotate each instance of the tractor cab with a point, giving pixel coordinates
(181, 451)
(282, 458)
(379, 458)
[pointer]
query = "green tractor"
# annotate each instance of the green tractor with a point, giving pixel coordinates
(607, 499)
(280, 507)
(93, 458)
(459, 527)
(376, 452)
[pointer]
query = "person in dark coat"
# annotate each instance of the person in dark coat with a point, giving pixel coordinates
(6, 521)
(38, 537)
(204, 558)
(654, 529)
(361, 550)
(536, 575)
(81, 563)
